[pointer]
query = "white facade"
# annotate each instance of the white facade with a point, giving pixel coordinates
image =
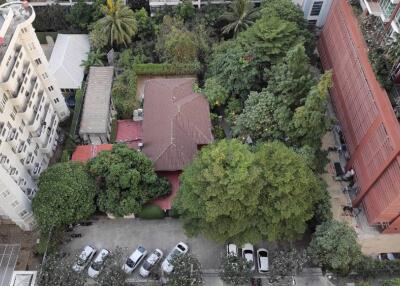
(315, 11)
(31, 106)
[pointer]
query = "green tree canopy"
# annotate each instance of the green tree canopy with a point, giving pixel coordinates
(240, 15)
(215, 93)
(126, 179)
(235, 270)
(112, 273)
(187, 271)
(81, 14)
(230, 193)
(335, 247)
(66, 195)
(118, 23)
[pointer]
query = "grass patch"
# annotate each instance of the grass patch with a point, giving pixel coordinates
(166, 69)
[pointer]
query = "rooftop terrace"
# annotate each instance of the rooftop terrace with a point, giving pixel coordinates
(11, 15)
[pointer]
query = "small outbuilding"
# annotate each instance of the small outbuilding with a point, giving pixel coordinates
(96, 118)
(65, 64)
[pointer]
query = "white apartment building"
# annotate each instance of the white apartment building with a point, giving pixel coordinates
(31, 107)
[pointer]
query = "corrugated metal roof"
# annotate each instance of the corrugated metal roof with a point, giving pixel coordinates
(97, 101)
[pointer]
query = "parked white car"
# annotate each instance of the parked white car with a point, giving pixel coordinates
(150, 262)
(179, 249)
(231, 249)
(84, 258)
(262, 260)
(134, 260)
(98, 263)
(248, 254)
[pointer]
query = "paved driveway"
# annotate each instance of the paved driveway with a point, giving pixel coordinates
(129, 233)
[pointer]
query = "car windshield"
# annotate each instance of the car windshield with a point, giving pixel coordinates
(81, 261)
(263, 254)
(181, 247)
(130, 263)
(97, 265)
(248, 252)
(147, 265)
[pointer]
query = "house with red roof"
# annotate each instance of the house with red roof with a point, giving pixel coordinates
(176, 124)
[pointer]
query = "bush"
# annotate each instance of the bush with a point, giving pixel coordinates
(77, 112)
(114, 129)
(370, 267)
(166, 69)
(65, 156)
(124, 94)
(174, 213)
(151, 212)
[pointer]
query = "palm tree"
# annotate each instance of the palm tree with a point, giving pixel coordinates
(240, 16)
(119, 22)
(95, 58)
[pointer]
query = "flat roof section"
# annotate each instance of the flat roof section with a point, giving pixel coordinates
(8, 259)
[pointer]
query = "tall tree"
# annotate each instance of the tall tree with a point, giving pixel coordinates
(335, 247)
(187, 271)
(118, 23)
(81, 14)
(226, 185)
(240, 15)
(126, 179)
(235, 270)
(311, 121)
(66, 195)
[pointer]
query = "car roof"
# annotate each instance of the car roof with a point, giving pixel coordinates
(86, 251)
(137, 253)
(101, 254)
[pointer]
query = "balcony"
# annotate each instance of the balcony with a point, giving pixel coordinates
(373, 7)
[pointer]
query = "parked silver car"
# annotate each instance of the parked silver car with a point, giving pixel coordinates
(150, 262)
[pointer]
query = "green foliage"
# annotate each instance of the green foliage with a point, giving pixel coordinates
(118, 23)
(235, 270)
(287, 262)
(57, 271)
(77, 112)
(240, 15)
(81, 15)
(215, 93)
(185, 10)
(310, 120)
(112, 273)
(371, 267)
(126, 179)
(95, 58)
(98, 39)
(124, 93)
(65, 156)
(335, 247)
(392, 282)
(187, 271)
(151, 212)
(51, 18)
(174, 213)
(114, 129)
(227, 184)
(66, 195)
(166, 69)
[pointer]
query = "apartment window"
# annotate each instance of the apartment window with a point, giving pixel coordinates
(387, 7)
(50, 88)
(13, 113)
(13, 74)
(316, 8)
(56, 100)
(44, 75)
(13, 171)
(14, 204)
(29, 71)
(38, 61)
(17, 64)
(23, 213)
(5, 193)
(8, 61)
(3, 102)
(20, 55)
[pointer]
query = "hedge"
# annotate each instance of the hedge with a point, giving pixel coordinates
(77, 112)
(114, 129)
(151, 212)
(166, 69)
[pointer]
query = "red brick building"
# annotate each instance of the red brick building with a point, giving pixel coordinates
(370, 127)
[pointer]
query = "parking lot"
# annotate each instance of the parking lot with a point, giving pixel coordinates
(129, 233)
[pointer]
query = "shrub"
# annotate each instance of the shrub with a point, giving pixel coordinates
(77, 112)
(124, 94)
(174, 213)
(166, 69)
(114, 129)
(65, 156)
(151, 212)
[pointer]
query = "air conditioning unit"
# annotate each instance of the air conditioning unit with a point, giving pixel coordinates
(138, 115)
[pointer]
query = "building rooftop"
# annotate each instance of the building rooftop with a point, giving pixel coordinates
(66, 60)
(97, 101)
(84, 153)
(11, 15)
(23, 278)
(176, 122)
(129, 132)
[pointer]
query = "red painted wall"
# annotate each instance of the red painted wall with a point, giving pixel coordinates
(369, 124)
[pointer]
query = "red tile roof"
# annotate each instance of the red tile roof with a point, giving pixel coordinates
(166, 202)
(176, 120)
(129, 132)
(84, 153)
